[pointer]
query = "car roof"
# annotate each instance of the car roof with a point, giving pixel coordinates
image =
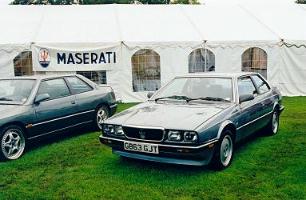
(217, 74)
(37, 77)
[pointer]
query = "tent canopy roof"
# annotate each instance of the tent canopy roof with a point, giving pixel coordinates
(152, 24)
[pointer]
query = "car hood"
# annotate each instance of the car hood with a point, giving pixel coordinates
(7, 110)
(168, 115)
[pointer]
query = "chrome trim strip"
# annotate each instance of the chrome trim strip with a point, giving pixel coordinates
(143, 127)
(165, 145)
(250, 122)
(36, 136)
(52, 120)
(112, 106)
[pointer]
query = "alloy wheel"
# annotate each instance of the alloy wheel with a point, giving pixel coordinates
(274, 122)
(101, 116)
(12, 144)
(226, 150)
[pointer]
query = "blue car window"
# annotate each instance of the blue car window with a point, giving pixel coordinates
(246, 86)
(56, 88)
(260, 84)
(78, 86)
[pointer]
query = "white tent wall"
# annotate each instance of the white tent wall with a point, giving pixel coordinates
(173, 62)
(292, 73)
(7, 55)
(229, 58)
(172, 31)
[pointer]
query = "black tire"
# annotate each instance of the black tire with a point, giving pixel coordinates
(12, 142)
(225, 144)
(273, 126)
(97, 119)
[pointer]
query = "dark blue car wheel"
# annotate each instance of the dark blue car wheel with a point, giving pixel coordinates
(12, 142)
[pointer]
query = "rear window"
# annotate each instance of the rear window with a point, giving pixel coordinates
(77, 85)
(260, 84)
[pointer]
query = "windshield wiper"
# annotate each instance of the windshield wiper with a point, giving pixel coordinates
(208, 99)
(179, 97)
(5, 99)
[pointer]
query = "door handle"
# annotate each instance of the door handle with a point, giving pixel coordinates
(73, 102)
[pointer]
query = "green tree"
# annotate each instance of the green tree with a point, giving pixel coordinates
(107, 1)
(301, 1)
(69, 2)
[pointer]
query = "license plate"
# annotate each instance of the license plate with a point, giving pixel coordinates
(141, 147)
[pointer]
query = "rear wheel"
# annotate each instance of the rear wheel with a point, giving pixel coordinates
(273, 125)
(224, 151)
(12, 142)
(102, 114)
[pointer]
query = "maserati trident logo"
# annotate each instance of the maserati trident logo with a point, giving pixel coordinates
(142, 134)
(44, 57)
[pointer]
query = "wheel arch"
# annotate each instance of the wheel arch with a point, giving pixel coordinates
(227, 125)
(102, 104)
(276, 106)
(16, 123)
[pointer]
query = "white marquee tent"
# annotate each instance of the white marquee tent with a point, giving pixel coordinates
(172, 31)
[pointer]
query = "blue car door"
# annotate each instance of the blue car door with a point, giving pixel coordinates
(85, 97)
(249, 109)
(266, 99)
(56, 113)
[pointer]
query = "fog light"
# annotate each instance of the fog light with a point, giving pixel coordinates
(174, 136)
(190, 136)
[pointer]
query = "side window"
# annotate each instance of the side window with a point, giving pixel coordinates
(77, 85)
(56, 88)
(246, 86)
(260, 84)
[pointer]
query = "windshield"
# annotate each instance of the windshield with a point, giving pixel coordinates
(15, 91)
(197, 88)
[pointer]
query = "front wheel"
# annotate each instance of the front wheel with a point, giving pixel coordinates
(102, 114)
(12, 142)
(224, 151)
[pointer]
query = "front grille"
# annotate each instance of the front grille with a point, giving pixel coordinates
(144, 133)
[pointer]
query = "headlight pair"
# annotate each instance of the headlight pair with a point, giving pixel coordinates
(110, 129)
(182, 136)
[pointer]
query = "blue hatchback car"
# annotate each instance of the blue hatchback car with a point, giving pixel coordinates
(31, 107)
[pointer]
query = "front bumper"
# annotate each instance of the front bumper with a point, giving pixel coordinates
(174, 154)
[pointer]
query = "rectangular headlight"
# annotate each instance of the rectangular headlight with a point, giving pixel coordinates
(118, 130)
(175, 136)
(108, 129)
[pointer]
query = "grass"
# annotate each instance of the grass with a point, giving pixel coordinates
(77, 166)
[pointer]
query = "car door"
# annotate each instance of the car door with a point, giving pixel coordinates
(57, 112)
(249, 109)
(266, 100)
(85, 97)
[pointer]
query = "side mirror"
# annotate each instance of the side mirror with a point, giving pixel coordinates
(42, 97)
(246, 97)
(150, 94)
